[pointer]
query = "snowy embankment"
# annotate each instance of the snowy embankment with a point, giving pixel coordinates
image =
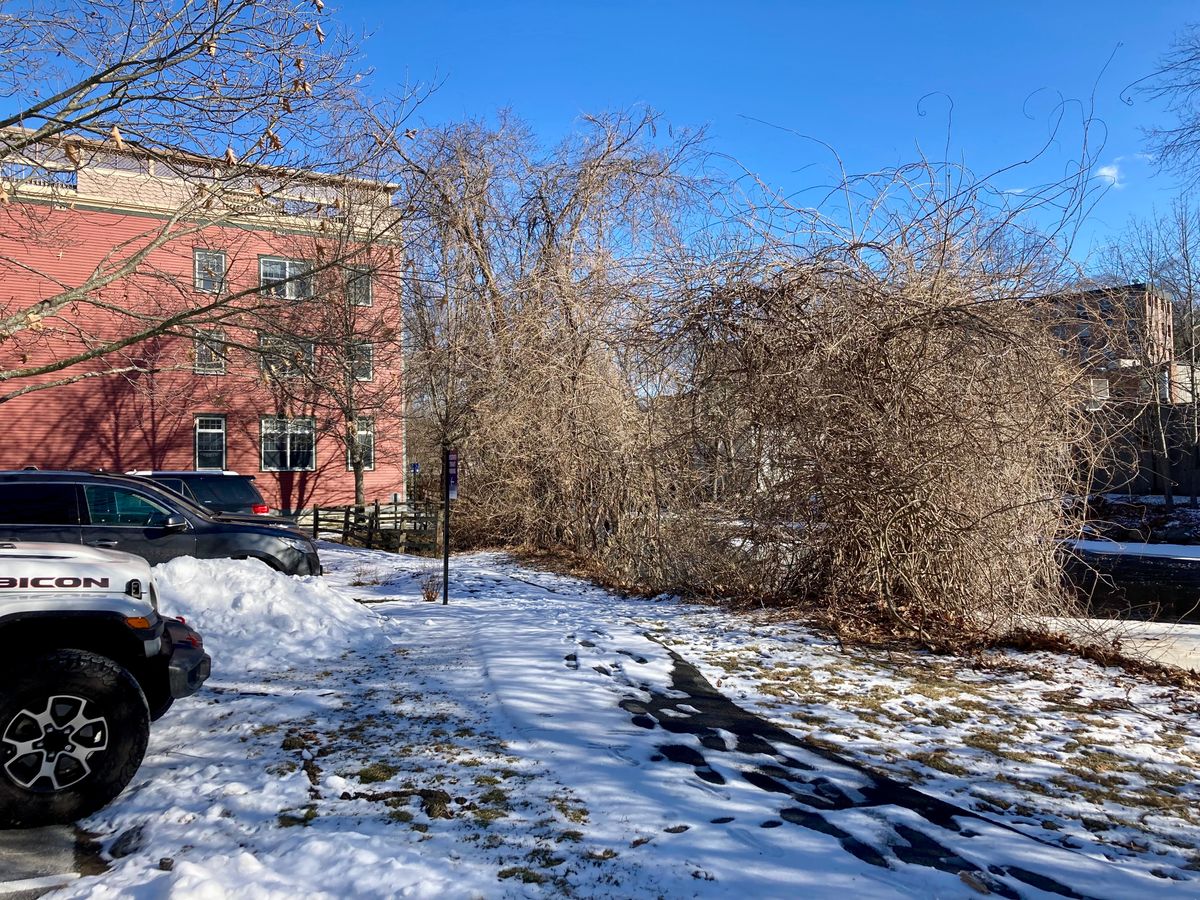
(537, 737)
(1188, 552)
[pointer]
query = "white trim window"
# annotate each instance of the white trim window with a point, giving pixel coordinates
(289, 444)
(358, 287)
(209, 353)
(282, 357)
(362, 362)
(366, 440)
(210, 442)
(208, 270)
(1098, 394)
(288, 279)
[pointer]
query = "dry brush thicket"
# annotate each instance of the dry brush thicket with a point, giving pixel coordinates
(878, 423)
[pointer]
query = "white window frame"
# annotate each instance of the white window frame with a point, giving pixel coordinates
(290, 427)
(1098, 394)
(297, 281)
(366, 428)
(364, 275)
(367, 352)
(275, 355)
(209, 341)
(199, 280)
(196, 430)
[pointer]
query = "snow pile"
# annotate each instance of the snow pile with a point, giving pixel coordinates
(254, 618)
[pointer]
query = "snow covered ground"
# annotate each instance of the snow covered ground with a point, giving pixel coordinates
(543, 737)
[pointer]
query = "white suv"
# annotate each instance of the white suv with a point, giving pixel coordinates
(86, 663)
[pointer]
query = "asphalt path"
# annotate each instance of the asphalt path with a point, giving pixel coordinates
(1170, 643)
(36, 860)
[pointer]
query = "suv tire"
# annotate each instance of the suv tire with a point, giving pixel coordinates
(73, 731)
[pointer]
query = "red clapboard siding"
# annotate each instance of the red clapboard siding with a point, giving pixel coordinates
(144, 421)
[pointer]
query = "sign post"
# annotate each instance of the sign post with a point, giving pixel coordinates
(450, 492)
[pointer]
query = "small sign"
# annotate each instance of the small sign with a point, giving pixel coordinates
(452, 474)
(416, 467)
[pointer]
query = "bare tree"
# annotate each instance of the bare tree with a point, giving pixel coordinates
(1160, 251)
(885, 414)
(1177, 83)
(520, 266)
(201, 114)
(338, 354)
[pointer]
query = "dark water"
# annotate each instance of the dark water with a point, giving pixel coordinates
(1139, 587)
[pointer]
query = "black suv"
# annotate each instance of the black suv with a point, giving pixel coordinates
(140, 517)
(223, 492)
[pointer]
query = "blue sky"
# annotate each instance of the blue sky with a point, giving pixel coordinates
(851, 74)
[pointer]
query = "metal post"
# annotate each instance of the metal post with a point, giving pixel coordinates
(316, 521)
(445, 525)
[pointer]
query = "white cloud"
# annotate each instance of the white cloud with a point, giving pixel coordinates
(1112, 174)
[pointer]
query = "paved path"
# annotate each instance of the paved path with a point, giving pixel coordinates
(35, 860)
(1170, 643)
(1165, 642)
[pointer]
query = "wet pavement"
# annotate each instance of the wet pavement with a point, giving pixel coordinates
(34, 861)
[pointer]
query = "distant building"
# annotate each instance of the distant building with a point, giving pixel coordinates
(237, 392)
(1124, 337)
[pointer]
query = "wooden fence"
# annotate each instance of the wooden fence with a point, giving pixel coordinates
(405, 527)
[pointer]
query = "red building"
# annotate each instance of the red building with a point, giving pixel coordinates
(286, 353)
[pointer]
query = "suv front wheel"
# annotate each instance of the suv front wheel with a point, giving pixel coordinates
(73, 731)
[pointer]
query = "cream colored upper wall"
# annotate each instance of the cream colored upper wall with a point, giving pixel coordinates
(255, 198)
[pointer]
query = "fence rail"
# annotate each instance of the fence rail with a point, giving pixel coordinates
(407, 527)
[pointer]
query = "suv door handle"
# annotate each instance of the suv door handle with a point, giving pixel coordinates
(106, 543)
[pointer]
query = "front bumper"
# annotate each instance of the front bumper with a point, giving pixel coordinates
(189, 666)
(310, 565)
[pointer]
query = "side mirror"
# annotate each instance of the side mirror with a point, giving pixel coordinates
(175, 522)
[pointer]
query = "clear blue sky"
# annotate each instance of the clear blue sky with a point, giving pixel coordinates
(850, 73)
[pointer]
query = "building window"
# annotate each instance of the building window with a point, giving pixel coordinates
(210, 442)
(209, 269)
(289, 279)
(362, 361)
(210, 353)
(288, 445)
(1098, 394)
(366, 440)
(358, 287)
(283, 357)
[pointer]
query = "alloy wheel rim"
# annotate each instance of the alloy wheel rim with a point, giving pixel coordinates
(47, 749)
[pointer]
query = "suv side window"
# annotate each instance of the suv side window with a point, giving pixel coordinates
(117, 506)
(45, 503)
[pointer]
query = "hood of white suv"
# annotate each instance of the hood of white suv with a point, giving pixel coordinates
(35, 566)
